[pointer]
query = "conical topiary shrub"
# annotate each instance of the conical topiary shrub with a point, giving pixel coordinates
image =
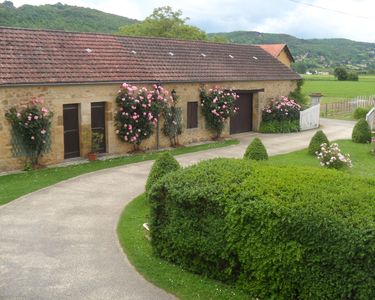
(361, 132)
(318, 139)
(256, 150)
(164, 164)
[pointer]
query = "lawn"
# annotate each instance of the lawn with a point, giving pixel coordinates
(336, 91)
(172, 278)
(363, 161)
(15, 185)
(186, 285)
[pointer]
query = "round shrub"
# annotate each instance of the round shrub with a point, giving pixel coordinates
(256, 150)
(164, 164)
(276, 232)
(360, 113)
(316, 141)
(361, 132)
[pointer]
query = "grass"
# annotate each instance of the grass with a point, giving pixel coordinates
(336, 91)
(173, 279)
(363, 161)
(13, 186)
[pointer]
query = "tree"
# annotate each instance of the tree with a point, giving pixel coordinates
(164, 22)
(341, 73)
(299, 67)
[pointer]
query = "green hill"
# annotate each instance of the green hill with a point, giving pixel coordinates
(314, 54)
(310, 54)
(61, 17)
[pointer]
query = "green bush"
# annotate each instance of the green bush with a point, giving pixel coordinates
(276, 232)
(361, 132)
(318, 139)
(360, 113)
(164, 164)
(256, 150)
(276, 126)
(297, 95)
(353, 76)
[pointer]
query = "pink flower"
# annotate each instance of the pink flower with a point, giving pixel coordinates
(36, 117)
(124, 85)
(18, 115)
(43, 131)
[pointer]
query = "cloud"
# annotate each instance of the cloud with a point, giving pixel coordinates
(276, 16)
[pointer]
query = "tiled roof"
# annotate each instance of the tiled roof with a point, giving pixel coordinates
(43, 56)
(275, 49)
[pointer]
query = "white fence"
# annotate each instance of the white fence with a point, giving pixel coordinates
(370, 118)
(309, 118)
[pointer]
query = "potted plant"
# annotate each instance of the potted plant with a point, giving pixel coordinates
(96, 140)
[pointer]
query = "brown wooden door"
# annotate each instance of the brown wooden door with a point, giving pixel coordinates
(98, 122)
(242, 121)
(71, 131)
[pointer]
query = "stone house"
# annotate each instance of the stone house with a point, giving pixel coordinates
(279, 51)
(79, 74)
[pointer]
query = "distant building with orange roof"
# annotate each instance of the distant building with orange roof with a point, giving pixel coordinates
(279, 51)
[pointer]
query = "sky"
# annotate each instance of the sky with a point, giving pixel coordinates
(352, 19)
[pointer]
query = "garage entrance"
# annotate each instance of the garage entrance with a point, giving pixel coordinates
(243, 120)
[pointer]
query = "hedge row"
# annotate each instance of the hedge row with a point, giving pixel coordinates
(276, 126)
(277, 232)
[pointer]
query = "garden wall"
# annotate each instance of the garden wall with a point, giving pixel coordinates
(84, 95)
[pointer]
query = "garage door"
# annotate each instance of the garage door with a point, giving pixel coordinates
(242, 121)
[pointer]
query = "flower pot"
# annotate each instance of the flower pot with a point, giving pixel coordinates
(91, 156)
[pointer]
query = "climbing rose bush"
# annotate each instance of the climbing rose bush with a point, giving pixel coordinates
(281, 109)
(138, 112)
(330, 156)
(217, 106)
(31, 123)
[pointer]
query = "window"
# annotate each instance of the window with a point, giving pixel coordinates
(192, 115)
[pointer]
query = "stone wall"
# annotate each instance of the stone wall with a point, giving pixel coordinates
(84, 95)
(284, 58)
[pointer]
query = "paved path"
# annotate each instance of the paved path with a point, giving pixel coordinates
(60, 242)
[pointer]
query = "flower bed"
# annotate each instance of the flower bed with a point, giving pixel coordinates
(281, 115)
(330, 156)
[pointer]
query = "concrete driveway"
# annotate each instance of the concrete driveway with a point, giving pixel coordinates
(60, 242)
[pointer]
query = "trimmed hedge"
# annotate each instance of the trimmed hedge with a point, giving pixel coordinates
(361, 132)
(256, 150)
(164, 164)
(315, 142)
(360, 113)
(276, 232)
(276, 126)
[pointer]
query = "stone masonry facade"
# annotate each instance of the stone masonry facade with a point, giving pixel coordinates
(55, 96)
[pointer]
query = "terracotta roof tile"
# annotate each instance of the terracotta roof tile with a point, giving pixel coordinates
(43, 56)
(275, 49)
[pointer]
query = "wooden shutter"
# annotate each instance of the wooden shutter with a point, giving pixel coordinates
(192, 115)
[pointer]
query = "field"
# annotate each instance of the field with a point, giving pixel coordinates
(336, 91)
